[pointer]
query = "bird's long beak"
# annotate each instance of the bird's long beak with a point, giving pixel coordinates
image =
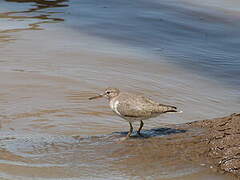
(96, 97)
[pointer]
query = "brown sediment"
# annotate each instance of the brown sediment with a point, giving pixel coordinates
(211, 143)
(222, 141)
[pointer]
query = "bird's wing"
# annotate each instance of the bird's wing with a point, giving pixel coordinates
(142, 106)
(135, 108)
(161, 108)
(129, 110)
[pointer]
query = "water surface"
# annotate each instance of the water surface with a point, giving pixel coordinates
(56, 54)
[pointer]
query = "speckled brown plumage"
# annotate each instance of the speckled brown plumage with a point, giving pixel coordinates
(133, 107)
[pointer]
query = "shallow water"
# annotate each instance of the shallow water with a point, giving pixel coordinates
(98, 157)
(56, 54)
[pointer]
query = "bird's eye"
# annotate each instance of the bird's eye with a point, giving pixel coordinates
(108, 92)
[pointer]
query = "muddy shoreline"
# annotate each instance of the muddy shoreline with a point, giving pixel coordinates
(219, 145)
(185, 151)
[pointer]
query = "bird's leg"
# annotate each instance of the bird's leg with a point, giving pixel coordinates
(130, 131)
(141, 125)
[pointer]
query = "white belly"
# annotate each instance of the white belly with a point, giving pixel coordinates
(113, 105)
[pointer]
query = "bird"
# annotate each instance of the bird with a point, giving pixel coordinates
(133, 107)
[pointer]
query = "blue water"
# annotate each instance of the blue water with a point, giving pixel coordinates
(200, 38)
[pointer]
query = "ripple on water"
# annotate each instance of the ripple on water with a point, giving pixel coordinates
(44, 155)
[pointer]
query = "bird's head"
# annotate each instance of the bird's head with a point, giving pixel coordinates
(109, 93)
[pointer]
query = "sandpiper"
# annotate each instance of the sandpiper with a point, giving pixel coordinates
(133, 107)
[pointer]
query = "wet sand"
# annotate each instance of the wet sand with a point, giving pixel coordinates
(50, 130)
(199, 150)
(222, 140)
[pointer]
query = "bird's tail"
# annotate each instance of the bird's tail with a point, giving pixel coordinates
(167, 108)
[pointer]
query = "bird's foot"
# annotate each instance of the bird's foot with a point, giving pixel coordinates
(140, 134)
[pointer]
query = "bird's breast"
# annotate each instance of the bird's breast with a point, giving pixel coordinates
(113, 105)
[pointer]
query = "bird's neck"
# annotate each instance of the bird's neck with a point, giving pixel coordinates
(112, 98)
